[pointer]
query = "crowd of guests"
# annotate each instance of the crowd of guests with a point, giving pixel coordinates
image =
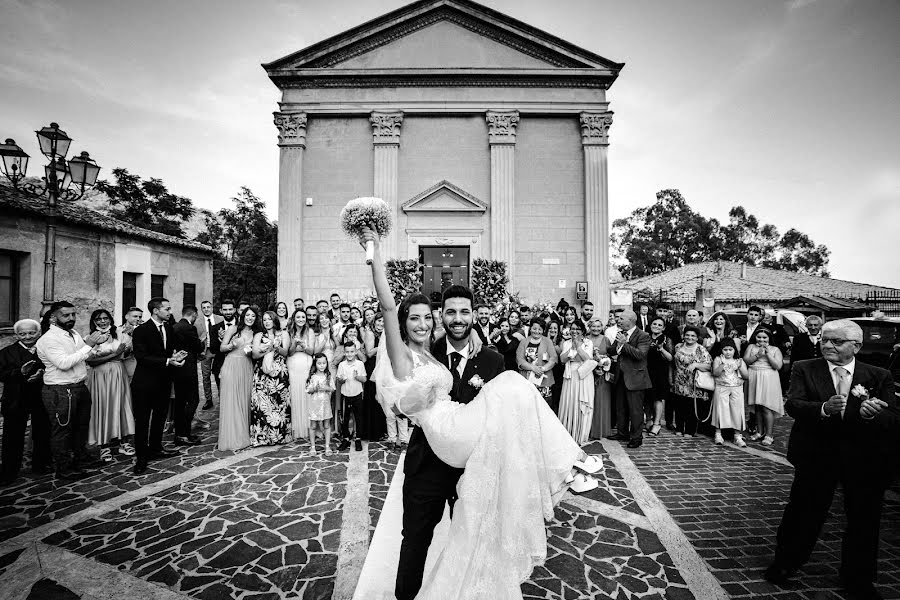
(303, 373)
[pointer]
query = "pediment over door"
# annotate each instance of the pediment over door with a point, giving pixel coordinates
(444, 197)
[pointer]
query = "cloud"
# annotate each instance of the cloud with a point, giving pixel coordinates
(799, 4)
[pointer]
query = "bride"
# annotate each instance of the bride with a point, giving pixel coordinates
(518, 458)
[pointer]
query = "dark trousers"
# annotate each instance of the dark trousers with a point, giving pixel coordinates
(423, 509)
(69, 412)
(352, 405)
(16, 412)
(629, 411)
(187, 398)
(685, 415)
(206, 376)
(807, 508)
(150, 405)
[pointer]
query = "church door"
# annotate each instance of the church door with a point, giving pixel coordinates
(444, 266)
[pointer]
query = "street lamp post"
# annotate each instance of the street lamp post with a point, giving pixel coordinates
(58, 178)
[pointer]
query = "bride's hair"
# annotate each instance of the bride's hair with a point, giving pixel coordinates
(403, 311)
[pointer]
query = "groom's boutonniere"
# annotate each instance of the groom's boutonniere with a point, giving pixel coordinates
(860, 391)
(476, 382)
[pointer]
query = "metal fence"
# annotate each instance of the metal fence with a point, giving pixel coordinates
(887, 302)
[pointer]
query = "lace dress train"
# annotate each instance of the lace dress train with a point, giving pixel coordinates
(516, 455)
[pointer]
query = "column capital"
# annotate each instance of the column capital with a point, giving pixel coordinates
(386, 127)
(502, 126)
(595, 128)
(291, 129)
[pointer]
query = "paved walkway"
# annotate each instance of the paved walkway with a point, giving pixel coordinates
(676, 519)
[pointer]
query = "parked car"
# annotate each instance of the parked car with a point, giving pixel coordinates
(880, 336)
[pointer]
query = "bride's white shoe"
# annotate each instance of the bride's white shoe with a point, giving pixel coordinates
(581, 483)
(591, 464)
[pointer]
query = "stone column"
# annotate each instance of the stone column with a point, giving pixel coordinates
(502, 139)
(292, 141)
(386, 141)
(595, 141)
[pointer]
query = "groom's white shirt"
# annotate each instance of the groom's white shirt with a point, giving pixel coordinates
(465, 357)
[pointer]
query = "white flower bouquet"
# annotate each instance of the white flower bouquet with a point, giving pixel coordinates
(373, 213)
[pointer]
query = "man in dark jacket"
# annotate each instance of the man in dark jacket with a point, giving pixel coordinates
(187, 394)
(154, 350)
(215, 339)
(632, 378)
(807, 346)
(20, 372)
(846, 422)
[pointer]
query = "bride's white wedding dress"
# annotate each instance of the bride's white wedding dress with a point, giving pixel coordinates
(516, 455)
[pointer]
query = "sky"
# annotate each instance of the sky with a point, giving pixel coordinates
(786, 107)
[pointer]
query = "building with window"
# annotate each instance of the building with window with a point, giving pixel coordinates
(487, 137)
(100, 262)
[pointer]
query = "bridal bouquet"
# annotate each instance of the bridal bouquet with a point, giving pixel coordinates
(373, 213)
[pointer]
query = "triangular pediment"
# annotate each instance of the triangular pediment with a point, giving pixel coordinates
(443, 34)
(444, 197)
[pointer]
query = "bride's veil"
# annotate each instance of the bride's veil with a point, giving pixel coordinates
(406, 396)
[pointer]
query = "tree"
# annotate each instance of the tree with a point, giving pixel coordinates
(669, 234)
(247, 244)
(146, 203)
(662, 236)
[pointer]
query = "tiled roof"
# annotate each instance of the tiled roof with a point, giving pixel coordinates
(727, 282)
(75, 214)
(823, 302)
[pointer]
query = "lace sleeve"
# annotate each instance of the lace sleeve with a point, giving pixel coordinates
(408, 395)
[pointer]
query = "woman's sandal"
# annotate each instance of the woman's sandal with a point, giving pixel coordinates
(591, 464)
(581, 483)
(654, 431)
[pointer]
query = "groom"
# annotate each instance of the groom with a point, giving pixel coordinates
(430, 483)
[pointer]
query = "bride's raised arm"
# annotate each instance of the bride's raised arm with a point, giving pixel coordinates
(401, 362)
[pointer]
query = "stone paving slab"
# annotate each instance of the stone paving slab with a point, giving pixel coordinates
(32, 501)
(382, 464)
(269, 525)
(729, 503)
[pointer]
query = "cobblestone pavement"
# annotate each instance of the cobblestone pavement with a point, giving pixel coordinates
(267, 524)
(729, 503)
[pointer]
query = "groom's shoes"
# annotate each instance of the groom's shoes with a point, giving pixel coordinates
(616, 437)
(635, 443)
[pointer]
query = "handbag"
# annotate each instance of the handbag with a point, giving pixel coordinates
(704, 380)
(268, 363)
(587, 368)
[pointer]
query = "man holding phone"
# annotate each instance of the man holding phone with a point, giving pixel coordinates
(154, 350)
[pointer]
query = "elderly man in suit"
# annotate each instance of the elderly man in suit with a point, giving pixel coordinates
(806, 346)
(154, 349)
(846, 422)
(632, 378)
(21, 372)
(204, 325)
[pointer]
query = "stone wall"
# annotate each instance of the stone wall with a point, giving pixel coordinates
(549, 211)
(337, 167)
(89, 269)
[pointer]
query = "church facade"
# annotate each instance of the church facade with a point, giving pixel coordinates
(486, 136)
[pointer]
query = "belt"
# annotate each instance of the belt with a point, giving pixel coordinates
(65, 385)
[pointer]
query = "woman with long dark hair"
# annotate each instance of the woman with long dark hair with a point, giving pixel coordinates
(111, 415)
(303, 345)
(237, 380)
(270, 399)
(373, 424)
(659, 361)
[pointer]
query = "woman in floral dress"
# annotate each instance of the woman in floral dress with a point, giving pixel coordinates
(270, 400)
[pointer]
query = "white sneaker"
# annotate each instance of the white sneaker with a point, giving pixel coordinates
(739, 441)
(768, 441)
(718, 439)
(591, 464)
(582, 483)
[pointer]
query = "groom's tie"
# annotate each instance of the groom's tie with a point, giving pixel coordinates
(455, 359)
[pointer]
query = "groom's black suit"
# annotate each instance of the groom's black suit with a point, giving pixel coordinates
(430, 483)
